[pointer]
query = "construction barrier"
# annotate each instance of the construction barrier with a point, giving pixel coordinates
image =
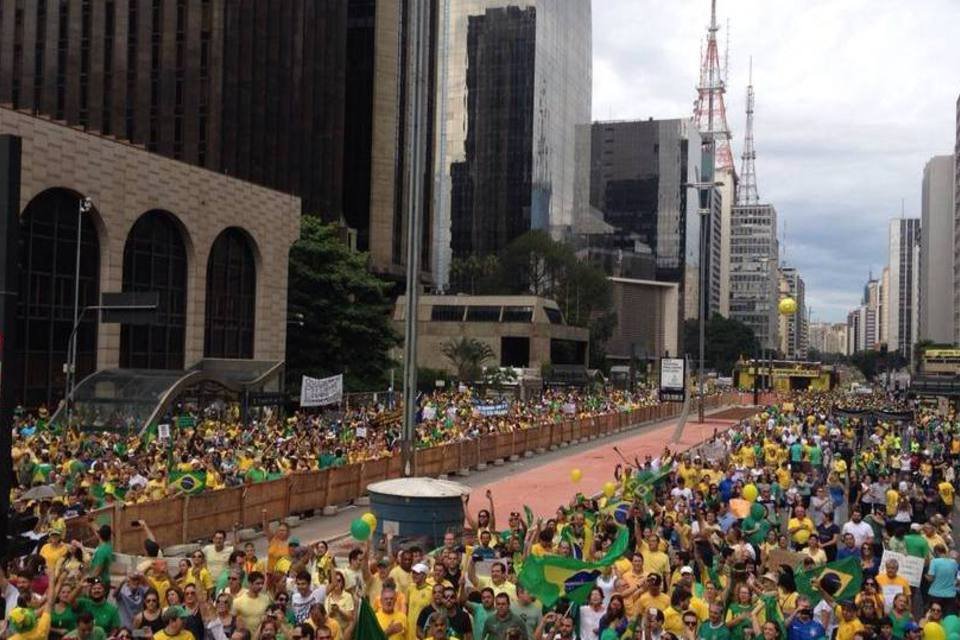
(183, 519)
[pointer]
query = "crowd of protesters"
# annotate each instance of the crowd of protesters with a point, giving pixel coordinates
(825, 478)
(90, 470)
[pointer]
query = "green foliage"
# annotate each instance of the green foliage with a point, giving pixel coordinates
(467, 355)
(469, 275)
(346, 311)
(726, 341)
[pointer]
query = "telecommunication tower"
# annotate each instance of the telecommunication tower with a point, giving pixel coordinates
(709, 111)
(747, 187)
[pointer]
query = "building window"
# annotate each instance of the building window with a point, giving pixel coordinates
(514, 351)
(132, 46)
(447, 313)
(554, 315)
(38, 55)
(109, 38)
(517, 314)
(231, 297)
(86, 16)
(45, 307)
(483, 314)
(155, 259)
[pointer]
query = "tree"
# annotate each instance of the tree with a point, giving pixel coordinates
(726, 341)
(536, 263)
(467, 355)
(346, 312)
(467, 275)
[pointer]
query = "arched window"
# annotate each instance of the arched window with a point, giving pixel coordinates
(155, 259)
(231, 297)
(48, 265)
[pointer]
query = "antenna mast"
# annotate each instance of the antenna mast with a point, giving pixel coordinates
(709, 112)
(747, 187)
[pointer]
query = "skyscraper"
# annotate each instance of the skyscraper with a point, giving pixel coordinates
(793, 337)
(904, 263)
(250, 88)
(956, 230)
(754, 253)
(638, 170)
(936, 251)
(517, 83)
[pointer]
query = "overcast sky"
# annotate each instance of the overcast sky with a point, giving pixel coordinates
(852, 98)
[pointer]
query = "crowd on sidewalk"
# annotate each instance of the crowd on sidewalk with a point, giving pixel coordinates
(89, 470)
(827, 516)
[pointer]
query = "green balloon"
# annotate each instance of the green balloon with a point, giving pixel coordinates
(951, 624)
(757, 511)
(749, 524)
(359, 529)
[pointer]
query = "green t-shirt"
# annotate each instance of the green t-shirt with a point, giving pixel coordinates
(255, 475)
(95, 634)
(899, 624)
(105, 614)
(735, 610)
(66, 619)
(709, 632)
(480, 615)
(101, 561)
(916, 546)
(816, 456)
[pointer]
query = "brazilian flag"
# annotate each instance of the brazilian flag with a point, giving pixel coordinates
(189, 482)
(845, 576)
(367, 626)
(549, 578)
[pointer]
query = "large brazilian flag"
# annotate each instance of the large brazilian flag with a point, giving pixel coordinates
(549, 578)
(846, 575)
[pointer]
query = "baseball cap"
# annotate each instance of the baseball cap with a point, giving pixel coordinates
(421, 568)
(911, 626)
(686, 569)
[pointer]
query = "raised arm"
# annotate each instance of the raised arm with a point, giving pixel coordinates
(493, 514)
(466, 511)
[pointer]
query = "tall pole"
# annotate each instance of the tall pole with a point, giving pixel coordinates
(417, 47)
(83, 206)
(704, 213)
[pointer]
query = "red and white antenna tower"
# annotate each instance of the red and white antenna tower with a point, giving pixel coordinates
(747, 187)
(709, 111)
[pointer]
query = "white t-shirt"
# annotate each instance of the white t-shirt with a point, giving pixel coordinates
(590, 622)
(861, 531)
(302, 604)
(606, 585)
(216, 560)
(818, 616)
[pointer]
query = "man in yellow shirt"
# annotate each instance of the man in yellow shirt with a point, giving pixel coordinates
(393, 623)
(654, 559)
(497, 580)
(890, 578)
(654, 596)
(251, 604)
(54, 550)
(800, 527)
(419, 597)
(849, 622)
(946, 497)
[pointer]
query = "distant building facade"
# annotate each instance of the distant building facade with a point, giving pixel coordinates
(754, 255)
(793, 337)
(828, 338)
(936, 251)
(904, 263)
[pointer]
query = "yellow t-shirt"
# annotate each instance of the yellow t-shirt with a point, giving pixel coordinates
(403, 579)
(506, 587)
(846, 630)
(673, 621)
(656, 562)
(251, 609)
(690, 476)
(53, 555)
(660, 601)
(802, 535)
(40, 630)
(387, 619)
(893, 498)
(183, 635)
(946, 493)
(418, 599)
(886, 581)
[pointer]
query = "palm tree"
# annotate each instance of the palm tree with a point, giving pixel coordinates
(468, 356)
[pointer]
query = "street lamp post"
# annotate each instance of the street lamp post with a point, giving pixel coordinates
(83, 206)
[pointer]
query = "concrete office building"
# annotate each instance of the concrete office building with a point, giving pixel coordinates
(249, 88)
(828, 338)
(214, 248)
(956, 230)
(517, 85)
(936, 251)
(904, 263)
(754, 254)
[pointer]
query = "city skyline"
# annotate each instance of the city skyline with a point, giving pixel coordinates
(877, 124)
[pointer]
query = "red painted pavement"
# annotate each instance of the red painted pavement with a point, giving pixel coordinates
(547, 487)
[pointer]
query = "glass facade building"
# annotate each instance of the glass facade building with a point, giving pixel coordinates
(638, 173)
(515, 85)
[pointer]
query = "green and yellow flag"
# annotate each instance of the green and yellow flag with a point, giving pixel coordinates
(549, 578)
(846, 575)
(367, 626)
(189, 482)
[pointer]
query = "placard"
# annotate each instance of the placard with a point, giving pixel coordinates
(317, 392)
(910, 567)
(673, 379)
(163, 431)
(391, 527)
(777, 557)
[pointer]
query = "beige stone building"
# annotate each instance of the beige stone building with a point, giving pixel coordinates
(216, 248)
(647, 313)
(523, 331)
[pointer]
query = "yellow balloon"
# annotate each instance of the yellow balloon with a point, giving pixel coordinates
(934, 631)
(609, 489)
(370, 519)
(575, 475)
(787, 306)
(750, 492)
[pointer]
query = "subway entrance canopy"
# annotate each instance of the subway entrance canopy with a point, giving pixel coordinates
(128, 400)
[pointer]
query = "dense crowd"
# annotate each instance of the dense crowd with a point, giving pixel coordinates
(777, 529)
(90, 470)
